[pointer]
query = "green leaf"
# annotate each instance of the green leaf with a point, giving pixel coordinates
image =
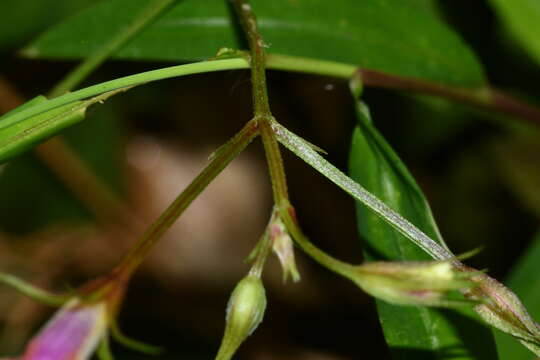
(19, 134)
(524, 281)
(411, 332)
(23, 135)
(522, 17)
(397, 37)
(25, 19)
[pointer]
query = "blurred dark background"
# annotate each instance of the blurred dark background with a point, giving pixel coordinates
(480, 172)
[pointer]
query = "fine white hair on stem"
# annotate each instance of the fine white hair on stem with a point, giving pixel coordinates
(306, 152)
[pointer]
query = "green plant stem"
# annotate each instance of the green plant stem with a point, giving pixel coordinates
(220, 160)
(503, 104)
(32, 291)
(271, 145)
(257, 57)
(145, 17)
(127, 81)
(310, 66)
(263, 115)
(275, 164)
(63, 160)
(263, 248)
(288, 217)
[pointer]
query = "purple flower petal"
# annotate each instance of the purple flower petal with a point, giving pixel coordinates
(72, 334)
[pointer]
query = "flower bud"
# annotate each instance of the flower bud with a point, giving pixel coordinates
(245, 312)
(413, 283)
(73, 333)
(502, 309)
(282, 245)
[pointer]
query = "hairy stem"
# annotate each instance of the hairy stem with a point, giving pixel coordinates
(219, 161)
(263, 115)
(484, 97)
(271, 146)
(303, 150)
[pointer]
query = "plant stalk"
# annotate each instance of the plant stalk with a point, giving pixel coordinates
(263, 114)
(265, 120)
(63, 160)
(152, 235)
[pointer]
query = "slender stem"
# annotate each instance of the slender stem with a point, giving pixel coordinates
(263, 248)
(310, 66)
(104, 349)
(275, 164)
(271, 145)
(288, 217)
(65, 163)
(304, 151)
(33, 292)
(258, 57)
(221, 159)
(263, 115)
(133, 344)
(484, 97)
(63, 160)
(494, 100)
(131, 80)
(145, 17)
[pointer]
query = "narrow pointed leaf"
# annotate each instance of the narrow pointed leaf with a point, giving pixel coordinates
(20, 135)
(397, 37)
(411, 332)
(524, 281)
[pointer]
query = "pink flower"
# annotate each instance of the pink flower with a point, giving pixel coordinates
(72, 334)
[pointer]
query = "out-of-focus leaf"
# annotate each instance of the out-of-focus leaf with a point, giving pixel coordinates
(397, 37)
(522, 17)
(426, 5)
(524, 281)
(519, 165)
(25, 19)
(427, 333)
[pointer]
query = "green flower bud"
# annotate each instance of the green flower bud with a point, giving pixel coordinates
(413, 283)
(245, 312)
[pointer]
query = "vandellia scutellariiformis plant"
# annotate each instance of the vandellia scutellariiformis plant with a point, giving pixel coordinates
(445, 281)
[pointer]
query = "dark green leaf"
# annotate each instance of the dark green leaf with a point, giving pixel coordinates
(524, 281)
(25, 19)
(411, 332)
(397, 37)
(522, 17)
